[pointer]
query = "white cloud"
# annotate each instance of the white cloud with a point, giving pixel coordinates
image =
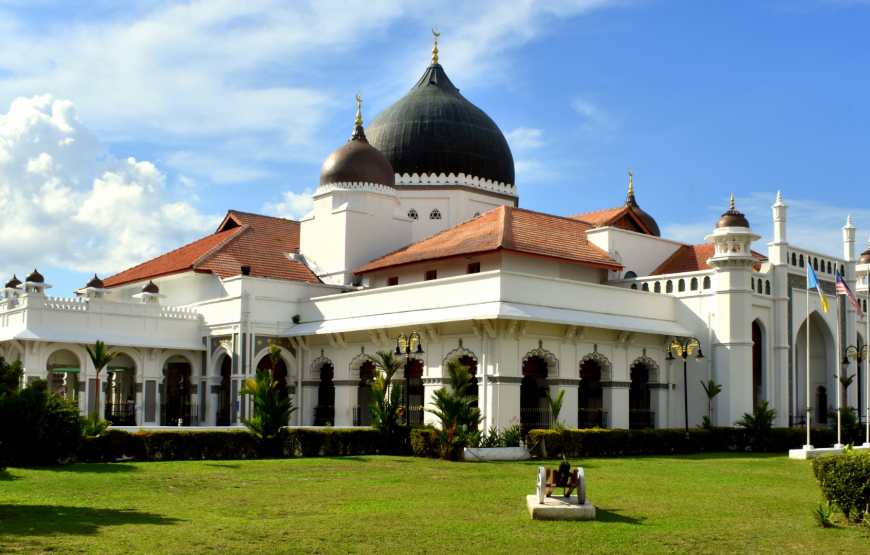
(810, 224)
(65, 204)
(524, 137)
(293, 207)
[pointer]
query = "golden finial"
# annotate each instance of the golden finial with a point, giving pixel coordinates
(630, 186)
(732, 201)
(435, 47)
(358, 110)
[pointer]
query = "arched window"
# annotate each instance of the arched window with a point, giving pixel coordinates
(822, 265)
(629, 275)
(707, 284)
(829, 268)
(753, 284)
(658, 287)
(645, 287)
(759, 287)
(413, 214)
(694, 284)
(669, 286)
(681, 285)
(801, 261)
(816, 264)
(793, 259)
(634, 286)
(766, 287)
(435, 215)
(842, 270)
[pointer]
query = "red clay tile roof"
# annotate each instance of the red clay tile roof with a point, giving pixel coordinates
(504, 229)
(609, 216)
(242, 239)
(693, 258)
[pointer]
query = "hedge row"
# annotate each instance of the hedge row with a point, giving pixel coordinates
(117, 445)
(599, 443)
(845, 482)
(425, 443)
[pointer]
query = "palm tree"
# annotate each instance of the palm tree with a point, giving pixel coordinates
(388, 363)
(271, 416)
(845, 382)
(556, 408)
(275, 358)
(100, 357)
(711, 389)
(759, 425)
(453, 408)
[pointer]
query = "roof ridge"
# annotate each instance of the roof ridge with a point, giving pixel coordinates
(236, 232)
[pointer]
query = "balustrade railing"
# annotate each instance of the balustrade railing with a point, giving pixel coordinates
(639, 419)
(591, 418)
(535, 419)
(175, 415)
(411, 416)
(120, 414)
(324, 414)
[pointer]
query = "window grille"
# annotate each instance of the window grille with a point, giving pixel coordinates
(413, 214)
(435, 215)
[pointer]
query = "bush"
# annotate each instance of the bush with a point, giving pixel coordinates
(845, 482)
(600, 443)
(425, 443)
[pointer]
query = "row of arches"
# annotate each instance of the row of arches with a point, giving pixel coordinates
(681, 285)
(762, 287)
(817, 264)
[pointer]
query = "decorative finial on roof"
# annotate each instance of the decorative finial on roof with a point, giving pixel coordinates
(732, 201)
(630, 185)
(779, 196)
(435, 45)
(358, 133)
(359, 120)
(849, 220)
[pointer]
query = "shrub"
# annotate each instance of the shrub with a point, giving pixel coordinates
(425, 443)
(759, 425)
(271, 415)
(851, 427)
(822, 515)
(454, 411)
(845, 482)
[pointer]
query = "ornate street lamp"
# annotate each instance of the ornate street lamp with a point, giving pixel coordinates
(405, 346)
(860, 355)
(684, 349)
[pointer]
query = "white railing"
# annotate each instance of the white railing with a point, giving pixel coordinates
(798, 258)
(179, 313)
(461, 179)
(685, 284)
(62, 303)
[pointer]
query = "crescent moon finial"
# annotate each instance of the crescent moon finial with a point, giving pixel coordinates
(359, 120)
(435, 45)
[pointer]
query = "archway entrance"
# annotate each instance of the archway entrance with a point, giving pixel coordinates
(822, 368)
(590, 411)
(640, 415)
(362, 414)
(63, 375)
(324, 412)
(534, 410)
(279, 374)
(175, 406)
(121, 391)
(224, 408)
(757, 354)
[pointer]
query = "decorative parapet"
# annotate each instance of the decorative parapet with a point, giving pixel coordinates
(374, 187)
(180, 313)
(84, 304)
(461, 179)
(60, 303)
(683, 284)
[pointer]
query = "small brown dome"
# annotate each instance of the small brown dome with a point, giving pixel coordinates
(647, 220)
(150, 287)
(95, 282)
(34, 277)
(864, 259)
(13, 283)
(732, 218)
(357, 162)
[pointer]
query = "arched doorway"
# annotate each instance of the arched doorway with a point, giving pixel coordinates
(324, 412)
(279, 374)
(534, 411)
(640, 415)
(590, 411)
(121, 391)
(225, 400)
(362, 413)
(175, 406)
(757, 356)
(822, 367)
(413, 412)
(63, 368)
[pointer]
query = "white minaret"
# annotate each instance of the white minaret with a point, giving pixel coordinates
(778, 254)
(778, 251)
(849, 241)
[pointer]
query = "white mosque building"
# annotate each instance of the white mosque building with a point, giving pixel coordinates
(417, 227)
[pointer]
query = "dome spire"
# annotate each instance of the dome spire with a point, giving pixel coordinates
(630, 185)
(358, 133)
(435, 44)
(732, 201)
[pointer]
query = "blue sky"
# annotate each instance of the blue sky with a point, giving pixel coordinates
(163, 115)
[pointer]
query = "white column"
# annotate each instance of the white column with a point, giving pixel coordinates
(345, 400)
(570, 386)
(615, 402)
(309, 393)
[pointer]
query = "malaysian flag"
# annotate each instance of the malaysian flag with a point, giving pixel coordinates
(843, 289)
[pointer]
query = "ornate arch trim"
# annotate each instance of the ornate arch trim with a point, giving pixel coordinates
(650, 365)
(286, 356)
(458, 353)
(602, 362)
(547, 356)
(357, 362)
(318, 363)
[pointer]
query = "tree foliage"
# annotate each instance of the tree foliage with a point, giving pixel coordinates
(712, 389)
(453, 409)
(387, 398)
(270, 416)
(759, 425)
(100, 357)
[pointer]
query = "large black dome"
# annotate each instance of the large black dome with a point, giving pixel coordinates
(434, 129)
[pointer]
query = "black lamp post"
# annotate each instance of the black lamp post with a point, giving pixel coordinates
(405, 346)
(684, 349)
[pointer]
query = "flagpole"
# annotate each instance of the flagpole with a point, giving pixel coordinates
(809, 445)
(867, 369)
(839, 444)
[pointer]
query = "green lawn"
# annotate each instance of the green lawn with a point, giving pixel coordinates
(717, 503)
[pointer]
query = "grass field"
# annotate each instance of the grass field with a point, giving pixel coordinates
(714, 503)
